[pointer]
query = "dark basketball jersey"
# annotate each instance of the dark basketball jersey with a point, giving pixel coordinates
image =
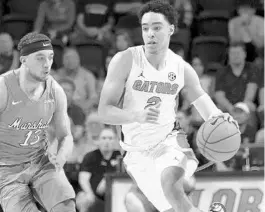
(24, 122)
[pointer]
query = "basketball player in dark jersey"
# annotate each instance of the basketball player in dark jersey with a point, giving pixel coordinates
(32, 101)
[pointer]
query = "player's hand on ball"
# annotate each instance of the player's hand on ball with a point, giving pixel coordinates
(227, 117)
(58, 160)
(149, 115)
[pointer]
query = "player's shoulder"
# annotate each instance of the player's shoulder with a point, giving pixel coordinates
(123, 56)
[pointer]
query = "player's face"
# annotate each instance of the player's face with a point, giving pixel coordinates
(39, 64)
(182, 119)
(237, 55)
(106, 140)
(156, 32)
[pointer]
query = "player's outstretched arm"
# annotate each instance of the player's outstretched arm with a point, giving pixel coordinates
(197, 96)
(61, 122)
(113, 88)
(3, 95)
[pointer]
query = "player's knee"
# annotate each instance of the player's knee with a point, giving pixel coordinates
(189, 185)
(66, 206)
(133, 203)
(170, 177)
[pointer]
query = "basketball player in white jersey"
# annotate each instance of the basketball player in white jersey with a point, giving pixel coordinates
(148, 80)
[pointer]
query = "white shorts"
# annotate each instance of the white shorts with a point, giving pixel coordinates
(146, 166)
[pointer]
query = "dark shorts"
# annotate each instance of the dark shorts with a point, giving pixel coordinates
(22, 185)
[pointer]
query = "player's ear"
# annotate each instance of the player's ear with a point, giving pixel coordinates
(171, 29)
(22, 59)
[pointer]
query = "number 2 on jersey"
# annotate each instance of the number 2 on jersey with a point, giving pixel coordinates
(152, 101)
(36, 137)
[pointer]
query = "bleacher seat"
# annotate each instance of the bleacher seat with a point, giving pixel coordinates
(128, 22)
(98, 11)
(211, 49)
(92, 56)
(226, 5)
(28, 7)
(17, 25)
(213, 23)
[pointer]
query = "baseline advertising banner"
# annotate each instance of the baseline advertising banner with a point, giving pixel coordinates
(241, 192)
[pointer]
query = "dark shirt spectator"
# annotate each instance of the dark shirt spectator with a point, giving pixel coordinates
(236, 82)
(93, 168)
(74, 111)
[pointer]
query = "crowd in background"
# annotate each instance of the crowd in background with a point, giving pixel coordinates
(223, 41)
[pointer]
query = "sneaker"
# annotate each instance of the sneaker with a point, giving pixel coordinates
(217, 207)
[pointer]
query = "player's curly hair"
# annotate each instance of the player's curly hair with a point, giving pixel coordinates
(32, 37)
(159, 6)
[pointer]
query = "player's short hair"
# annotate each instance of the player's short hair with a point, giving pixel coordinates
(162, 7)
(32, 37)
(237, 44)
(67, 81)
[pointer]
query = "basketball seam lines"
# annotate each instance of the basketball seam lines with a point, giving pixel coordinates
(224, 138)
(216, 150)
(214, 130)
(206, 152)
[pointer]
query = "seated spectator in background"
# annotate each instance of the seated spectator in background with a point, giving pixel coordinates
(94, 21)
(85, 95)
(93, 126)
(207, 81)
(9, 57)
(248, 28)
(93, 168)
(122, 42)
(74, 111)
(241, 114)
(56, 18)
(237, 82)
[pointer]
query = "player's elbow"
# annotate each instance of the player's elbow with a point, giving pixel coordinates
(103, 111)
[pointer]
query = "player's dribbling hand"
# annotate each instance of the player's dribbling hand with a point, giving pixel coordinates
(149, 115)
(58, 160)
(227, 117)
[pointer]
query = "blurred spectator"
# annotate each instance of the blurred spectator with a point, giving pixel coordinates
(9, 57)
(93, 125)
(74, 111)
(259, 137)
(56, 18)
(85, 95)
(185, 12)
(241, 114)
(94, 21)
(247, 28)
(122, 42)
(236, 82)
(207, 81)
(95, 164)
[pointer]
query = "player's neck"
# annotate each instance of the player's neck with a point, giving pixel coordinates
(157, 59)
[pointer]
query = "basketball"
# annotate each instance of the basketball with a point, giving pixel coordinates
(218, 140)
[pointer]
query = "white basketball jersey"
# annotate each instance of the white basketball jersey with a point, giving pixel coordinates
(146, 87)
